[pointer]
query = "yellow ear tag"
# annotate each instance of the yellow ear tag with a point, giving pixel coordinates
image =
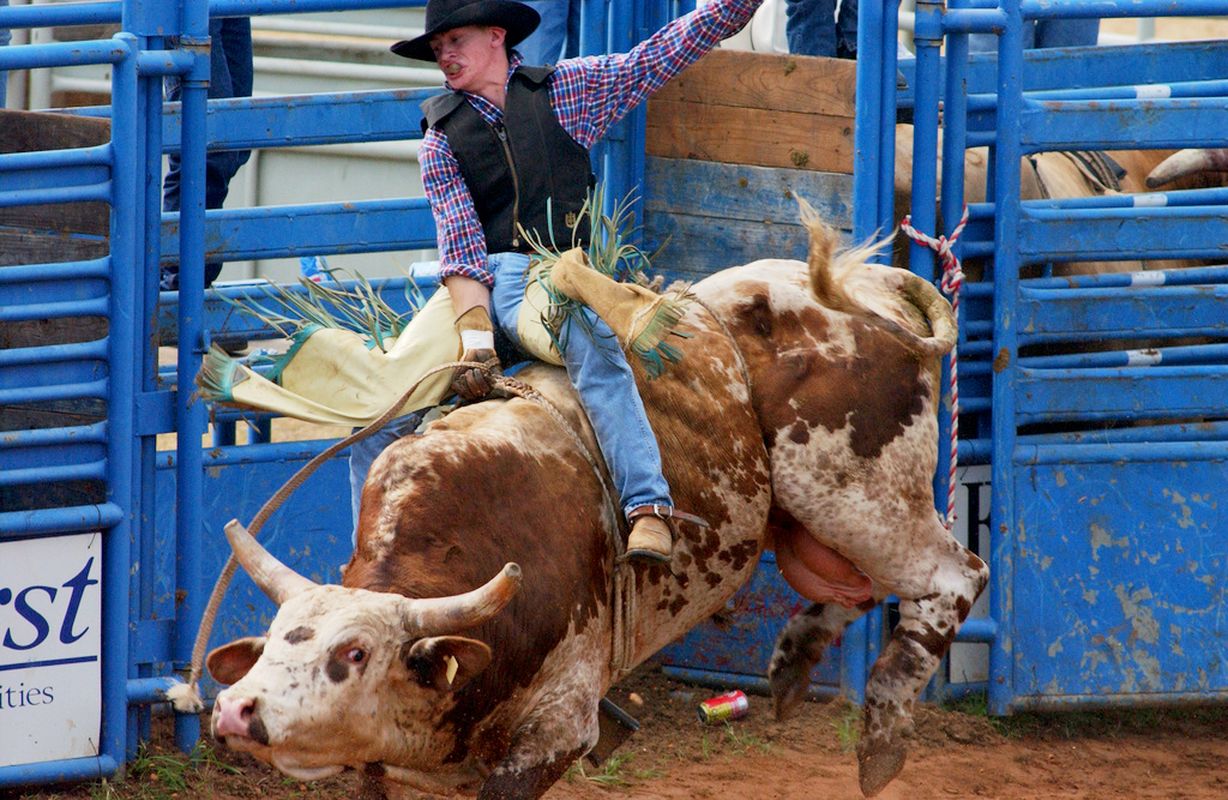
(452, 667)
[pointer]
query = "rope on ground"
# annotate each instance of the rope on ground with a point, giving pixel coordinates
(952, 282)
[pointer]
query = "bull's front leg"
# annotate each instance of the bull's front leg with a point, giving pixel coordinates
(927, 627)
(558, 732)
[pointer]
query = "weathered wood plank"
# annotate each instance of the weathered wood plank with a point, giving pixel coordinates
(699, 246)
(764, 137)
(737, 191)
(768, 81)
(712, 216)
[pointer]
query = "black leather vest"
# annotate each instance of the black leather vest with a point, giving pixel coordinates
(513, 169)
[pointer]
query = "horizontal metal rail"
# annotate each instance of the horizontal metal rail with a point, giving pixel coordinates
(64, 520)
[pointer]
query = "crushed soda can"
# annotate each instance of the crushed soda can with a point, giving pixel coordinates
(731, 705)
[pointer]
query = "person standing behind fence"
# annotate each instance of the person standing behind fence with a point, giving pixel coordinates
(558, 35)
(820, 28)
(230, 75)
(1044, 33)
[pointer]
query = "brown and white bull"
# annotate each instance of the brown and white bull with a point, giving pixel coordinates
(803, 412)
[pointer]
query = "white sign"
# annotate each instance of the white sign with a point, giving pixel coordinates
(50, 644)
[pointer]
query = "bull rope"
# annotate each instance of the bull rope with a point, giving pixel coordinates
(186, 698)
(952, 282)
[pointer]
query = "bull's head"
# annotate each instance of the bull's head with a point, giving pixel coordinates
(347, 677)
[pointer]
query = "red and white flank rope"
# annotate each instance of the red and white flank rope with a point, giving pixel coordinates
(952, 281)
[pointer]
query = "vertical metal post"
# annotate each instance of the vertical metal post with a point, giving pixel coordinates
(123, 319)
(927, 37)
(890, 34)
(1006, 351)
(190, 416)
(868, 123)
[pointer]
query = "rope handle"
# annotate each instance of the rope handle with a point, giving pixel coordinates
(951, 283)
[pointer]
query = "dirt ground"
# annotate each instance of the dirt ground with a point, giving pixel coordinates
(1142, 754)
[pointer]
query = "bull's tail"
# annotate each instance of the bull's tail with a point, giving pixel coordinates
(923, 321)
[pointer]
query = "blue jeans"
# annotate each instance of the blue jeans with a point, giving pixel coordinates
(558, 35)
(230, 75)
(603, 378)
(815, 28)
(363, 453)
(1044, 33)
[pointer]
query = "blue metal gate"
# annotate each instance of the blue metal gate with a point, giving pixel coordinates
(1108, 542)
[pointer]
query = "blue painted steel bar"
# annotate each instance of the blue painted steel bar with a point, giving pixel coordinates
(314, 229)
(1063, 9)
(76, 769)
(1120, 452)
(928, 40)
(1177, 432)
(42, 394)
(1185, 197)
(1174, 277)
(48, 437)
(311, 119)
(122, 337)
(1006, 156)
(868, 126)
(60, 54)
(1170, 311)
(965, 20)
(144, 691)
(977, 629)
(1096, 393)
(163, 62)
(67, 519)
(1160, 356)
(25, 273)
(92, 178)
(250, 8)
(36, 311)
(190, 421)
(1122, 124)
(885, 122)
(1119, 234)
(97, 192)
(54, 353)
(96, 470)
(241, 454)
(72, 157)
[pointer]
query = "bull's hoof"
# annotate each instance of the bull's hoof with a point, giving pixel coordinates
(878, 764)
(790, 684)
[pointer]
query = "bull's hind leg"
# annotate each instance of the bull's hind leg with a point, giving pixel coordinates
(800, 646)
(928, 622)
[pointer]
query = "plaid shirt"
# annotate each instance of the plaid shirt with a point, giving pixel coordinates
(588, 95)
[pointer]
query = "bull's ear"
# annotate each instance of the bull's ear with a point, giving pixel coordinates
(230, 662)
(446, 663)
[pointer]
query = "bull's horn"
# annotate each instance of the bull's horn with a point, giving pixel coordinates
(274, 578)
(1187, 162)
(445, 615)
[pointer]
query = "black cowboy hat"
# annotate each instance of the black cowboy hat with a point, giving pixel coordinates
(516, 18)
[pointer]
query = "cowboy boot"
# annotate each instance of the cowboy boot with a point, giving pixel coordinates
(651, 538)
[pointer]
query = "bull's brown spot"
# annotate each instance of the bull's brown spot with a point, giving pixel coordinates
(799, 433)
(337, 671)
(300, 634)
